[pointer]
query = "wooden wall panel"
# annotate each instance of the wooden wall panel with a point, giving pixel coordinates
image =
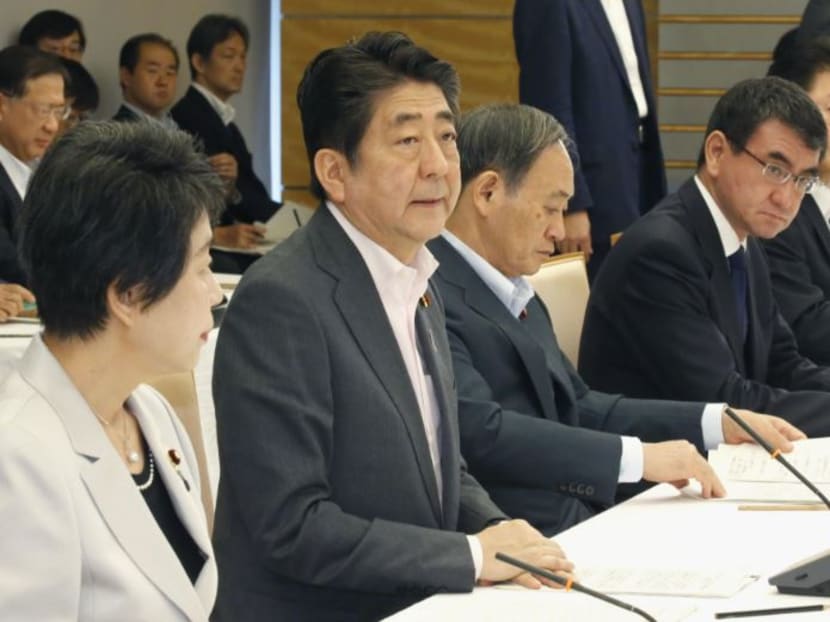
(478, 43)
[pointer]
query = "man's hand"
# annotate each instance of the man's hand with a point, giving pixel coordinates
(12, 298)
(577, 234)
(774, 430)
(224, 164)
(678, 461)
(240, 235)
(518, 539)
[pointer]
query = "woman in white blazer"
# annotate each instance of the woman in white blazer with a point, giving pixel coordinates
(100, 509)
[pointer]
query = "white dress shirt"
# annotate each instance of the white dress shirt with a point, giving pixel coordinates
(164, 120)
(225, 111)
(400, 288)
(515, 293)
(19, 172)
(618, 19)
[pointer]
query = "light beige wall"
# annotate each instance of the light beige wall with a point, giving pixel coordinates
(109, 23)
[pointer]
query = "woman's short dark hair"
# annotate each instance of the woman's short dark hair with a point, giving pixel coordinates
(209, 32)
(111, 204)
(750, 103)
(337, 92)
(52, 24)
(19, 64)
(81, 87)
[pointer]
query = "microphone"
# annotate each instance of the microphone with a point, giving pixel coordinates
(776, 454)
(570, 584)
(809, 577)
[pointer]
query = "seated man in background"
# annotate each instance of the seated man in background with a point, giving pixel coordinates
(799, 256)
(56, 32)
(546, 447)
(32, 105)
(148, 68)
(343, 493)
(217, 49)
(684, 307)
(81, 94)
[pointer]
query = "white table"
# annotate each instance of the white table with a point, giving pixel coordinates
(659, 529)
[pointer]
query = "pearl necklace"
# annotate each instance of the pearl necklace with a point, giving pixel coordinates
(132, 455)
(149, 481)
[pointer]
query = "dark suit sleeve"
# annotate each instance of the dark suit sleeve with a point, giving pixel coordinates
(801, 301)
(521, 450)
(542, 33)
(275, 415)
(663, 313)
(652, 421)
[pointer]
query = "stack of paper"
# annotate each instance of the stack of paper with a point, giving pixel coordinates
(751, 474)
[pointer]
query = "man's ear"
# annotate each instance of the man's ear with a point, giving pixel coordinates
(487, 192)
(198, 63)
(715, 147)
(331, 169)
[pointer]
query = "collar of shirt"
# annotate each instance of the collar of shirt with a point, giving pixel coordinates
(164, 120)
(728, 237)
(19, 172)
(396, 282)
(514, 293)
(821, 195)
(225, 111)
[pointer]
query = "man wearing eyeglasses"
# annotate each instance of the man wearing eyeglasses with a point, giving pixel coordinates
(683, 308)
(32, 105)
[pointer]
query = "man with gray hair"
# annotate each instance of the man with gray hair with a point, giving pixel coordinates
(546, 447)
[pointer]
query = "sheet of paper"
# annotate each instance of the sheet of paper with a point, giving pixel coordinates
(510, 602)
(715, 583)
(750, 463)
(20, 329)
(773, 491)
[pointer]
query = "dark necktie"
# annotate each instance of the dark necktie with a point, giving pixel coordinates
(737, 270)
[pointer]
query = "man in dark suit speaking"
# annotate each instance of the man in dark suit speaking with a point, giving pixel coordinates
(546, 447)
(684, 307)
(343, 493)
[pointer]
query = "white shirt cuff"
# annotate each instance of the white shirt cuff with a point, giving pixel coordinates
(631, 460)
(711, 425)
(478, 555)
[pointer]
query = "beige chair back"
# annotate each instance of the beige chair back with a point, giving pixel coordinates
(562, 284)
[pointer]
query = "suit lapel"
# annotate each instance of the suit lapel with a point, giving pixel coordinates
(357, 299)
(481, 299)
(723, 302)
(755, 348)
(600, 20)
(816, 219)
(429, 325)
(109, 484)
(7, 187)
